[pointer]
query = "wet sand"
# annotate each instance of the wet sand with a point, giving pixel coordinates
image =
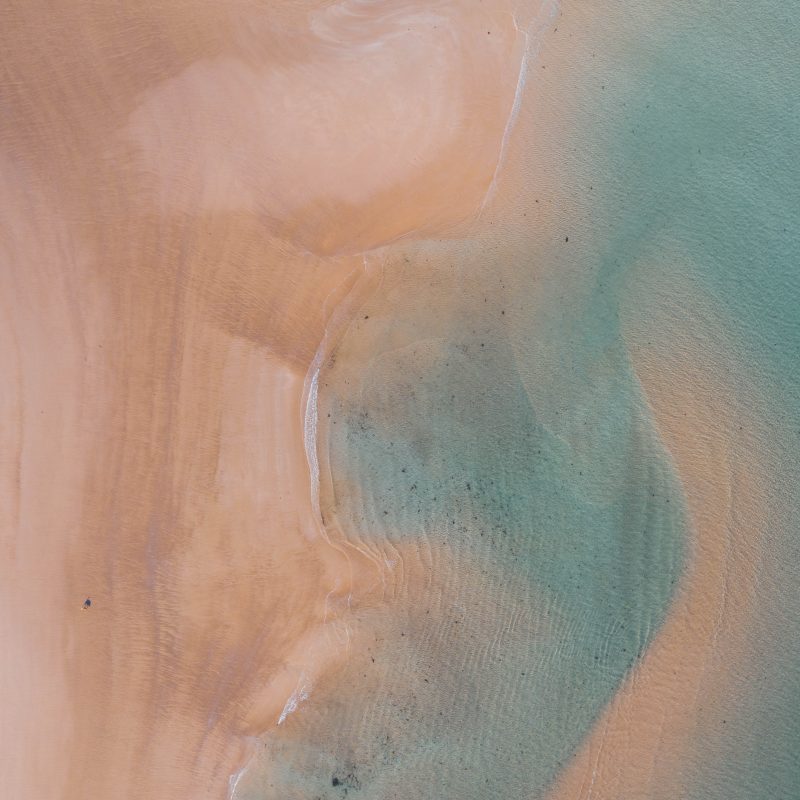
(187, 195)
(158, 470)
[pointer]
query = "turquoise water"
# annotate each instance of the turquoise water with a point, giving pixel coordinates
(490, 442)
(564, 494)
(710, 174)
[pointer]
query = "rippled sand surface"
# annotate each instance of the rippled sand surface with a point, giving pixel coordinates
(399, 399)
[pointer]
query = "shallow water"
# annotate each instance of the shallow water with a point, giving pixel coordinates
(549, 537)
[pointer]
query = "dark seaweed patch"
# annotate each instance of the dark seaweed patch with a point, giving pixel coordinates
(346, 779)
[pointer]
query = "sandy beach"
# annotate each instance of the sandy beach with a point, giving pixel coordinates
(389, 406)
(188, 193)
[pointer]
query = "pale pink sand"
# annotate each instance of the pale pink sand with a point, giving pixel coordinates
(168, 173)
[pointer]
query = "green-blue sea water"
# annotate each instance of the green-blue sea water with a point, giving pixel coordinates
(487, 423)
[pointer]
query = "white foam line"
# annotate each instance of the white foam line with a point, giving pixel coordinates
(233, 781)
(310, 434)
(547, 12)
(296, 697)
(311, 393)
